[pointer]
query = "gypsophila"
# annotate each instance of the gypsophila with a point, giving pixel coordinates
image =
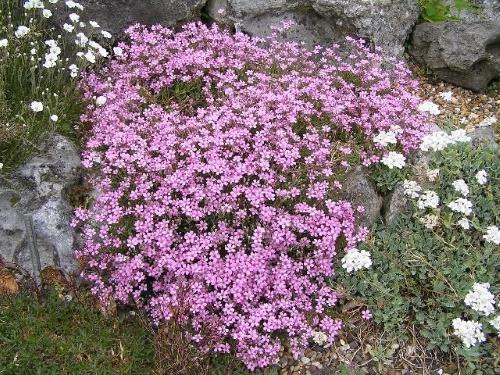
(482, 177)
(470, 332)
(461, 187)
(480, 299)
(428, 199)
(492, 235)
(355, 260)
(461, 205)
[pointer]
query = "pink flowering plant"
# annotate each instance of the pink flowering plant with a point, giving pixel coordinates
(217, 161)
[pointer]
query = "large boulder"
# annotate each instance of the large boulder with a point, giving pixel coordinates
(40, 188)
(116, 15)
(387, 23)
(464, 53)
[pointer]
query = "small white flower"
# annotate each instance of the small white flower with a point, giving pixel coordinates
(354, 260)
(101, 100)
(464, 223)
(480, 299)
(73, 4)
(470, 332)
(4, 42)
(47, 13)
(411, 189)
(81, 40)
(430, 107)
(53, 1)
(461, 205)
(394, 160)
(74, 17)
(385, 138)
(430, 221)
(447, 96)
(461, 187)
(54, 118)
(118, 51)
(94, 24)
(432, 174)
(495, 322)
(459, 136)
(69, 28)
(1, 165)
(492, 235)
(319, 337)
(33, 4)
(90, 56)
(73, 70)
(36, 106)
(436, 141)
(21, 31)
(106, 34)
(488, 121)
(429, 199)
(482, 177)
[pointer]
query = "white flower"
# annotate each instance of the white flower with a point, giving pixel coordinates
(488, 121)
(101, 50)
(430, 221)
(492, 235)
(461, 205)
(73, 4)
(464, 223)
(21, 31)
(4, 42)
(33, 51)
(81, 40)
(74, 17)
(106, 34)
(50, 60)
(319, 337)
(94, 24)
(470, 332)
(459, 136)
(432, 174)
(354, 260)
(394, 160)
(36, 106)
(447, 96)
(69, 28)
(436, 141)
(461, 187)
(32, 4)
(495, 322)
(90, 56)
(430, 107)
(47, 13)
(73, 70)
(480, 299)
(1, 165)
(118, 51)
(482, 177)
(53, 1)
(54, 118)
(385, 138)
(411, 189)
(101, 100)
(428, 199)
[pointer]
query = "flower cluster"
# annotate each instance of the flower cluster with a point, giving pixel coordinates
(481, 299)
(216, 159)
(439, 140)
(356, 260)
(470, 332)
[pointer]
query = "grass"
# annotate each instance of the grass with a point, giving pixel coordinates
(46, 335)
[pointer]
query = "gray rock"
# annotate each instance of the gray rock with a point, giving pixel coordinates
(387, 23)
(396, 204)
(483, 134)
(359, 190)
(116, 15)
(39, 188)
(466, 54)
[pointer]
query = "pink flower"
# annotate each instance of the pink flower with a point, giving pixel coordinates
(366, 314)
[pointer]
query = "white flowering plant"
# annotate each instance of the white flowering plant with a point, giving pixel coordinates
(39, 67)
(434, 271)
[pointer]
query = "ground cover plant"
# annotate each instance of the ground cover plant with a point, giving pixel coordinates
(435, 271)
(219, 159)
(56, 333)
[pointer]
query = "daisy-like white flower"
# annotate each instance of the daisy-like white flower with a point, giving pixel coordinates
(394, 160)
(54, 118)
(482, 177)
(94, 24)
(47, 13)
(480, 299)
(430, 107)
(470, 332)
(118, 51)
(73, 70)
(74, 17)
(33, 4)
(492, 235)
(461, 187)
(106, 34)
(22, 31)
(4, 42)
(36, 106)
(461, 205)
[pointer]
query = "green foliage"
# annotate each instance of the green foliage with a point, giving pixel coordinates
(436, 10)
(386, 179)
(421, 276)
(51, 336)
